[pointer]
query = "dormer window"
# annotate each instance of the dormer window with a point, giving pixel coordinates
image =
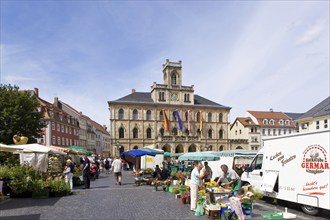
(280, 122)
(287, 122)
(271, 121)
(265, 122)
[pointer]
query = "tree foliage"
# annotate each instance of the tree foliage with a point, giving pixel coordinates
(18, 114)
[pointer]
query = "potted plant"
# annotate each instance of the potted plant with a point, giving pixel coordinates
(155, 183)
(40, 189)
(59, 188)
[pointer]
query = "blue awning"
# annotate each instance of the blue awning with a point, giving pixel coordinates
(137, 153)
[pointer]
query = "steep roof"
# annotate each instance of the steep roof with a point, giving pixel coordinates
(245, 121)
(293, 116)
(323, 108)
(145, 98)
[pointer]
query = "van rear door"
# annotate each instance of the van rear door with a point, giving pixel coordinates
(255, 173)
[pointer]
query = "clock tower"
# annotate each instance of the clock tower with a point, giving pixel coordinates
(172, 91)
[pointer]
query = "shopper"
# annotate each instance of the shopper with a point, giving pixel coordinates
(194, 182)
(116, 168)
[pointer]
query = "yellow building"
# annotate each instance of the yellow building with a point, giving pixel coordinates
(194, 123)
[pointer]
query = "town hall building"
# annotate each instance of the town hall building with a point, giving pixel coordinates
(170, 117)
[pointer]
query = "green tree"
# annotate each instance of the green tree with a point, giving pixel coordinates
(19, 114)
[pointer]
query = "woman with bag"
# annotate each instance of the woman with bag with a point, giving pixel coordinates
(68, 171)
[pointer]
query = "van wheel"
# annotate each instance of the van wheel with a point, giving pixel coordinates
(310, 210)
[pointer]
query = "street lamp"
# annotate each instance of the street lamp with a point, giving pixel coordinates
(117, 147)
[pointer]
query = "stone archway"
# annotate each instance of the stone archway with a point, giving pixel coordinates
(166, 148)
(192, 148)
(239, 148)
(179, 149)
(135, 147)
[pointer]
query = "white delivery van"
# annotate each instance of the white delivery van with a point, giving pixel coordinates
(231, 158)
(294, 168)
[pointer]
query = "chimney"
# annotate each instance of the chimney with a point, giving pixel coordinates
(56, 101)
(133, 91)
(36, 92)
(271, 110)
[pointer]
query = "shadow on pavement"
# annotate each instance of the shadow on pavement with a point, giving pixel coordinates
(25, 217)
(28, 202)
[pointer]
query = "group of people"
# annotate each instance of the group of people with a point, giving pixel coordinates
(92, 169)
(228, 178)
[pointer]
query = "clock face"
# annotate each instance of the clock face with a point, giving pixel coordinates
(174, 97)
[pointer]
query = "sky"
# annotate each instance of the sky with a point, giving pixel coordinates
(248, 55)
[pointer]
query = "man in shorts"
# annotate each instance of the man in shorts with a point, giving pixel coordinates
(116, 168)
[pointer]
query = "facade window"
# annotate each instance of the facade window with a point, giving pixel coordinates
(221, 134)
(148, 133)
(305, 125)
(186, 115)
(161, 116)
(148, 115)
(269, 132)
(54, 139)
(175, 131)
(210, 133)
(326, 123)
(289, 131)
(67, 142)
(220, 117)
(58, 140)
(70, 130)
(187, 132)
(66, 129)
(263, 131)
(198, 115)
(317, 124)
(284, 131)
(53, 126)
(187, 97)
(161, 131)
(62, 128)
(58, 128)
(173, 116)
(280, 122)
(221, 148)
(61, 117)
(51, 114)
(173, 79)
(236, 132)
(199, 132)
(135, 133)
(274, 132)
(121, 114)
(135, 114)
(161, 96)
(271, 121)
(279, 131)
(287, 122)
(265, 122)
(121, 133)
(240, 131)
(209, 117)
(252, 130)
(63, 141)
(70, 142)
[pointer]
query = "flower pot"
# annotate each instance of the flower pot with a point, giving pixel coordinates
(167, 188)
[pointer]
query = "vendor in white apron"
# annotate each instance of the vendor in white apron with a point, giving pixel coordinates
(229, 178)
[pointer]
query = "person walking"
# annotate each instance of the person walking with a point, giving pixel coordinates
(107, 165)
(194, 182)
(69, 175)
(229, 178)
(86, 169)
(116, 167)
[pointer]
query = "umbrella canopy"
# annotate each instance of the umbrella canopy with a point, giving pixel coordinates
(152, 150)
(10, 148)
(80, 149)
(167, 154)
(200, 156)
(137, 153)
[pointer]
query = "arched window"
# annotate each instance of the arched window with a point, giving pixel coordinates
(198, 132)
(135, 114)
(220, 117)
(280, 121)
(198, 115)
(121, 114)
(148, 115)
(173, 116)
(239, 147)
(161, 116)
(265, 122)
(173, 79)
(271, 121)
(161, 131)
(175, 131)
(187, 132)
(121, 133)
(287, 122)
(209, 117)
(135, 147)
(221, 148)
(148, 133)
(135, 133)
(210, 133)
(221, 134)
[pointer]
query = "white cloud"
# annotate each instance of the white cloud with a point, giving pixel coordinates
(311, 34)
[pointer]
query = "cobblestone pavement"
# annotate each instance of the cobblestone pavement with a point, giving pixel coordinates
(105, 200)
